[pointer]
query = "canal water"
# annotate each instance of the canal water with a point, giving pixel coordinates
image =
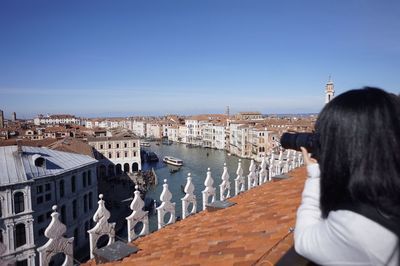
(196, 161)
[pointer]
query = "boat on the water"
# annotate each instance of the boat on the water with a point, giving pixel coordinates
(173, 171)
(173, 161)
(145, 144)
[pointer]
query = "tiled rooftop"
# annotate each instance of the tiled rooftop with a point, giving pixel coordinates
(255, 231)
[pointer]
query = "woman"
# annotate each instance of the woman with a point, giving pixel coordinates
(352, 195)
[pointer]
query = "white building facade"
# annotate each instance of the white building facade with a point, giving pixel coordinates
(32, 181)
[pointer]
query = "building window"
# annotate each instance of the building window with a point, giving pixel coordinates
(84, 179)
(125, 145)
(76, 239)
(20, 235)
(90, 200)
(48, 197)
(126, 154)
(117, 154)
(22, 263)
(62, 188)
(48, 187)
(134, 144)
(101, 146)
(63, 215)
(19, 202)
(73, 184)
(134, 154)
(109, 146)
(39, 189)
(39, 200)
(74, 209)
(85, 205)
(89, 175)
(117, 145)
(109, 155)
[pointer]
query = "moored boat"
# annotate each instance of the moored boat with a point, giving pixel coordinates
(173, 161)
(144, 144)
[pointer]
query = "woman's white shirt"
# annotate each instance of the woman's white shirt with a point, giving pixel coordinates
(344, 237)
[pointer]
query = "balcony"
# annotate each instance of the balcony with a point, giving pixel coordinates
(255, 231)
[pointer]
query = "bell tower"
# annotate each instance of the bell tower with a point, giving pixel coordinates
(329, 91)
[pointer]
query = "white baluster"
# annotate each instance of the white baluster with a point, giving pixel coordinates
(240, 181)
(138, 215)
(166, 207)
(280, 162)
(209, 191)
(102, 227)
(225, 187)
(252, 177)
(56, 243)
(263, 173)
(189, 198)
(272, 166)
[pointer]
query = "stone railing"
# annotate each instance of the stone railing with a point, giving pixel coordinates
(270, 167)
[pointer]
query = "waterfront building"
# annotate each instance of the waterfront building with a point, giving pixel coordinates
(173, 133)
(139, 128)
(56, 120)
(182, 133)
(33, 179)
(117, 154)
(199, 125)
(259, 142)
(154, 130)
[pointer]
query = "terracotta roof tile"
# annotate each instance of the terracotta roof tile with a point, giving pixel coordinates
(255, 231)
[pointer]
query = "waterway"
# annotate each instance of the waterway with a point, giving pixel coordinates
(196, 161)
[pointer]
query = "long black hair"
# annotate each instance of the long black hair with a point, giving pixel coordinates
(359, 151)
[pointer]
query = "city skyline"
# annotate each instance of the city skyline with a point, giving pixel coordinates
(96, 58)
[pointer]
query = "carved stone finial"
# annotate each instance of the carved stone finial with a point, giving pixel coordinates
(209, 191)
(240, 181)
(263, 173)
(272, 166)
(56, 243)
(252, 177)
(225, 187)
(189, 198)
(138, 215)
(166, 207)
(102, 227)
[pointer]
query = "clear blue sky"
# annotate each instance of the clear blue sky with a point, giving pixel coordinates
(97, 58)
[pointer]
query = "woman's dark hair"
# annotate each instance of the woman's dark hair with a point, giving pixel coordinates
(359, 151)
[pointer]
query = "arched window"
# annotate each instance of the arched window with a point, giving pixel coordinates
(84, 179)
(19, 202)
(85, 203)
(20, 235)
(89, 175)
(90, 200)
(63, 215)
(61, 188)
(73, 184)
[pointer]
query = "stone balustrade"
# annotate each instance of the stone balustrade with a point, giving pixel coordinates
(270, 166)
